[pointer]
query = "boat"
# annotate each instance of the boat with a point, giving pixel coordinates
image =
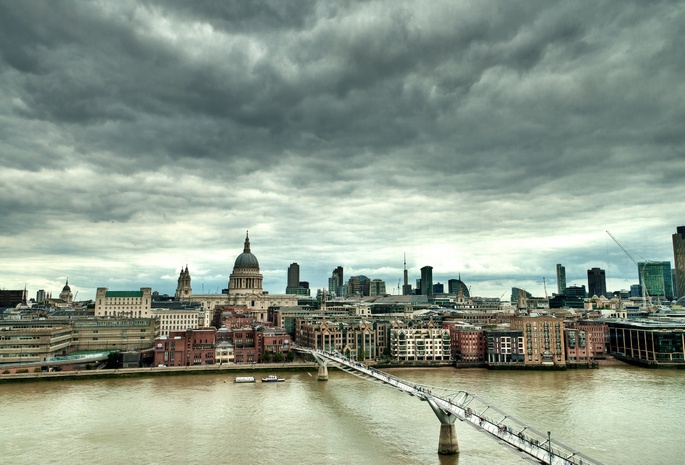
(244, 379)
(272, 379)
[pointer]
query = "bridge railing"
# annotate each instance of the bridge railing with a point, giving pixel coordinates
(477, 412)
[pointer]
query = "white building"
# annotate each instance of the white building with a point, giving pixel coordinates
(132, 304)
(422, 343)
(179, 319)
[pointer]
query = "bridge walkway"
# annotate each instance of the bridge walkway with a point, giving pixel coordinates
(471, 409)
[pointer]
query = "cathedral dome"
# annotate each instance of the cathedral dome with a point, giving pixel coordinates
(66, 287)
(247, 258)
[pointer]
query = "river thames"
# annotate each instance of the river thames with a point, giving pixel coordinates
(616, 414)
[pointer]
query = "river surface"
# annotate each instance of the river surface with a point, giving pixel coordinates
(616, 414)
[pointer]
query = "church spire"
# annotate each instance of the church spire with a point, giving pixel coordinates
(246, 249)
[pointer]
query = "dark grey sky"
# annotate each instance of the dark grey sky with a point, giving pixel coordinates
(491, 139)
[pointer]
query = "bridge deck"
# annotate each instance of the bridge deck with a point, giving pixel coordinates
(475, 411)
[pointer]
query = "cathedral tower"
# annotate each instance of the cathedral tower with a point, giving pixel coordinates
(183, 289)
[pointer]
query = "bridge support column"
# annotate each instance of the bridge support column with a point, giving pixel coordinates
(448, 443)
(323, 373)
(323, 367)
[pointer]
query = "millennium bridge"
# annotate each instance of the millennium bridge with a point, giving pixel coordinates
(450, 405)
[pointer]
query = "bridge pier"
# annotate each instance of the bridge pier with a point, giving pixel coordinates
(323, 373)
(448, 443)
(323, 367)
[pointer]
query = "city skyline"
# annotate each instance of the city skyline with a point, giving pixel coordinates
(487, 140)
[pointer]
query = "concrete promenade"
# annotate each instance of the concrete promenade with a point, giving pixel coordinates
(158, 371)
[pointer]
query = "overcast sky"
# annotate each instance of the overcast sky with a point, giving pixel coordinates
(487, 139)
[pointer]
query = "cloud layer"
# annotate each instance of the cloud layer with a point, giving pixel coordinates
(491, 139)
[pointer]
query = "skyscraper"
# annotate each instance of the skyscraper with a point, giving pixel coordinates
(655, 279)
(561, 279)
(336, 284)
(293, 275)
(679, 261)
(596, 282)
(427, 281)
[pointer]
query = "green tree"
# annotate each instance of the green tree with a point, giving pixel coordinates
(267, 356)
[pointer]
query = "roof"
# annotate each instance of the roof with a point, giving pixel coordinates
(124, 294)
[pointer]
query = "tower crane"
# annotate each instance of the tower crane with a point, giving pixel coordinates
(641, 269)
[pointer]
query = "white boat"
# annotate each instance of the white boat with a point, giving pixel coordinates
(244, 379)
(272, 379)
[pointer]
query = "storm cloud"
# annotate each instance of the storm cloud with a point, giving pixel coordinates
(491, 139)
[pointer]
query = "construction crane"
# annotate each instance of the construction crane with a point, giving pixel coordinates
(641, 269)
(544, 283)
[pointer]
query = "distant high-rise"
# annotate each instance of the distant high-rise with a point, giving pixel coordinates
(679, 261)
(458, 288)
(596, 282)
(406, 287)
(293, 275)
(295, 286)
(561, 278)
(336, 284)
(427, 281)
(655, 279)
(359, 285)
(377, 287)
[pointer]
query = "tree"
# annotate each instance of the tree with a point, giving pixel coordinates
(267, 356)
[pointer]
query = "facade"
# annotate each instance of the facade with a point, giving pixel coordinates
(354, 338)
(575, 291)
(561, 278)
(505, 347)
(26, 341)
(174, 318)
(467, 344)
(458, 288)
(125, 334)
(10, 299)
(427, 281)
(423, 342)
(293, 275)
(544, 338)
(295, 286)
(648, 342)
(123, 304)
(679, 262)
(336, 283)
(377, 287)
(185, 348)
(655, 279)
(596, 282)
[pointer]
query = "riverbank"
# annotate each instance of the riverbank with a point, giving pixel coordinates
(157, 371)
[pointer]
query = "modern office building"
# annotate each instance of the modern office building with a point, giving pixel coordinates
(377, 287)
(293, 275)
(427, 281)
(655, 279)
(561, 278)
(295, 286)
(457, 287)
(359, 285)
(336, 284)
(596, 282)
(679, 261)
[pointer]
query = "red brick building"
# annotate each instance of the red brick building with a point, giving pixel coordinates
(467, 344)
(184, 348)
